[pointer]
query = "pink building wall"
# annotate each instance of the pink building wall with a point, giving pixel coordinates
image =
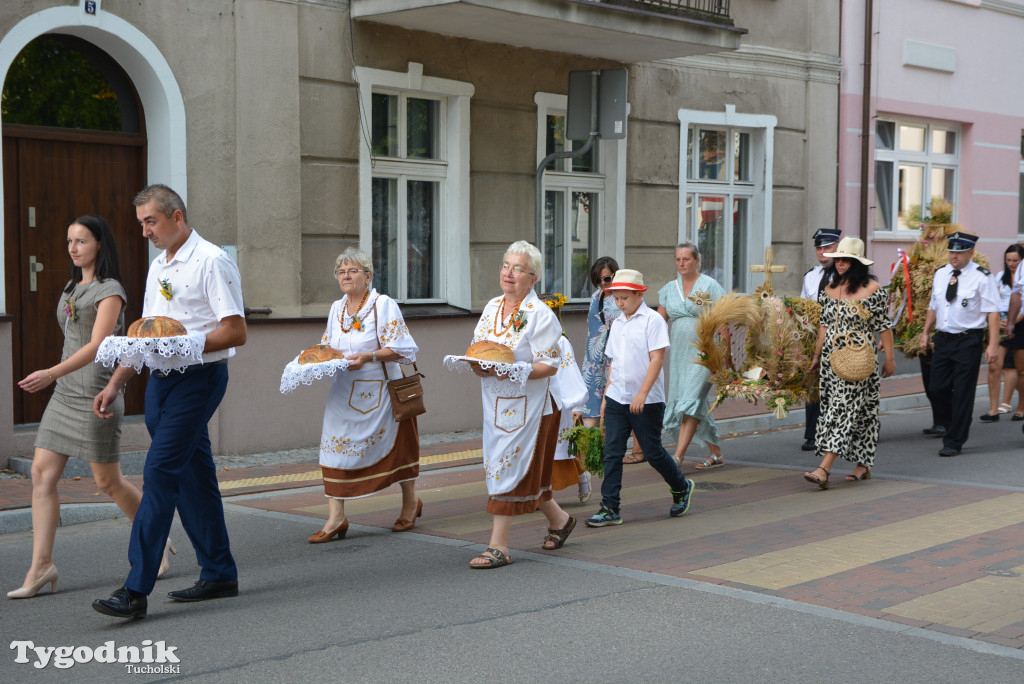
(980, 91)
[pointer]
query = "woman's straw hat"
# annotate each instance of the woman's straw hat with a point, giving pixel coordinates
(850, 248)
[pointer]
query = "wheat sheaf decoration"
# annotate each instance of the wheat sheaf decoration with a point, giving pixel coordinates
(927, 255)
(780, 337)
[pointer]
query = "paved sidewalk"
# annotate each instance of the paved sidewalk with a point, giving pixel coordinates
(298, 468)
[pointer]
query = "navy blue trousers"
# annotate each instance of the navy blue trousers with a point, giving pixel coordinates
(646, 427)
(180, 474)
(953, 380)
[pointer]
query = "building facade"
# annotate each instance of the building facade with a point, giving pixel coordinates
(414, 130)
(943, 117)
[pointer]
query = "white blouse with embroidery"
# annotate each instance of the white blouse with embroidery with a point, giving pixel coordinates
(359, 426)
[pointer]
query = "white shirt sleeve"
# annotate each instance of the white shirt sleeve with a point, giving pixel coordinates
(224, 288)
(657, 333)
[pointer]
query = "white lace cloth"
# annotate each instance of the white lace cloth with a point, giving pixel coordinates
(516, 372)
(156, 353)
(296, 373)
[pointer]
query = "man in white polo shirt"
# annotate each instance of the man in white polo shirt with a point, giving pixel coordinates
(194, 282)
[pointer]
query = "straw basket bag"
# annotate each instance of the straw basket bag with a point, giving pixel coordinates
(851, 361)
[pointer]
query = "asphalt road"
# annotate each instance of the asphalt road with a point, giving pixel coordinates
(382, 607)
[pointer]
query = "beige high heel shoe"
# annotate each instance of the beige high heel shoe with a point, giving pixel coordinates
(31, 590)
(165, 564)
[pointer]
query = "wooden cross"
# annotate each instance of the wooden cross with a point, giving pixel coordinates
(768, 268)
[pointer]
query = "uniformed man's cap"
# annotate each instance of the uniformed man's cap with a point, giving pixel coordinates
(961, 241)
(826, 236)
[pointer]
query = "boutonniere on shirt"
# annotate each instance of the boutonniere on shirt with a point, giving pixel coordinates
(166, 290)
(69, 309)
(699, 297)
(519, 321)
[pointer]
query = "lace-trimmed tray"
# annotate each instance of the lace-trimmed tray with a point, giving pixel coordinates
(156, 353)
(296, 373)
(516, 372)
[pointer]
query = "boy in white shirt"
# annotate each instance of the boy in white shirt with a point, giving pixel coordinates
(634, 399)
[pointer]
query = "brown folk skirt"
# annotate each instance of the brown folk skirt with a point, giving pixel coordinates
(402, 463)
(535, 487)
(566, 473)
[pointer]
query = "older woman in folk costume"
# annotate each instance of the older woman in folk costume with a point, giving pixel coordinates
(520, 421)
(362, 449)
(570, 394)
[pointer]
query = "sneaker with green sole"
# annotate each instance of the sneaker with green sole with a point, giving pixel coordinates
(603, 518)
(681, 500)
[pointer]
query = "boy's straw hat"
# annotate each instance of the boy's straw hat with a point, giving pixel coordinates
(628, 279)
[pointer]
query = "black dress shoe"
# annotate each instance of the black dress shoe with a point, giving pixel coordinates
(808, 446)
(934, 430)
(948, 451)
(1016, 417)
(204, 589)
(123, 603)
(988, 418)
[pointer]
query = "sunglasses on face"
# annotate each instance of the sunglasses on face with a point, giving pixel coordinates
(607, 279)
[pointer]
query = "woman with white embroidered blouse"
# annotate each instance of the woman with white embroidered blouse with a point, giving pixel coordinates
(362, 448)
(520, 421)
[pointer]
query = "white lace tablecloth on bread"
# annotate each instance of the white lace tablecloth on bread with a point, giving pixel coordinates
(296, 373)
(516, 372)
(156, 353)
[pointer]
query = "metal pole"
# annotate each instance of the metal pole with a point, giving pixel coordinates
(539, 179)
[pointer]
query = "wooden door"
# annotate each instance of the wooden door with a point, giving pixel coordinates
(50, 177)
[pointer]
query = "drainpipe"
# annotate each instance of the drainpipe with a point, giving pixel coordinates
(865, 124)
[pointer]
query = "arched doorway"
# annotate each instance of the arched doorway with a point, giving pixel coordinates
(73, 143)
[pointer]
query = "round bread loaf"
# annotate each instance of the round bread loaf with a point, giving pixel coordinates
(156, 326)
(491, 351)
(319, 353)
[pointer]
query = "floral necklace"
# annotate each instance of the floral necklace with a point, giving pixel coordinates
(357, 322)
(516, 320)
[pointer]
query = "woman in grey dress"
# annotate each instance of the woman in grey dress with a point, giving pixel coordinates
(91, 307)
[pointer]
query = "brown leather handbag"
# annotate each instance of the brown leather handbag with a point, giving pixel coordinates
(406, 392)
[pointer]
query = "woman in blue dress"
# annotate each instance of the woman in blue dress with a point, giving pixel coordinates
(680, 303)
(599, 319)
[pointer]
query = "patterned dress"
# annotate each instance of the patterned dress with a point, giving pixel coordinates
(848, 426)
(595, 363)
(688, 385)
(69, 427)
(362, 448)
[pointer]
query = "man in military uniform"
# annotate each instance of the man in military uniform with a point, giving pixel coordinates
(964, 297)
(815, 281)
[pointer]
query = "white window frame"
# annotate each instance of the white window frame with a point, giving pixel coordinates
(926, 160)
(609, 181)
(758, 190)
(451, 168)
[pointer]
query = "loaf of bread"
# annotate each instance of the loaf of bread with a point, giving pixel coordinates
(156, 326)
(491, 351)
(319, 353)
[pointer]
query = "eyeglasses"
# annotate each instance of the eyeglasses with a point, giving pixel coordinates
(516, 270)
(607, 279)
(352, 272)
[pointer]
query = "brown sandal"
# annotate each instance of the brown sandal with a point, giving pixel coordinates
(496, 560)
(557, 537)
(853, 477)
(814, 479)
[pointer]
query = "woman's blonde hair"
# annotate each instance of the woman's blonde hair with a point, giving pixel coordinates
(522, 247)
(355, 256)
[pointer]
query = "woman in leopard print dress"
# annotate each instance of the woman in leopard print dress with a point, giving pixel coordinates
(848, 426)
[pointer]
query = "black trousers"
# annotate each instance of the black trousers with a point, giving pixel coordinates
(812, 410)
(954, 381)
(926, 372)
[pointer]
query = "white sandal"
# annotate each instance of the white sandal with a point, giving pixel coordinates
(1005, 408)
(584, 487)
(710, 462)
